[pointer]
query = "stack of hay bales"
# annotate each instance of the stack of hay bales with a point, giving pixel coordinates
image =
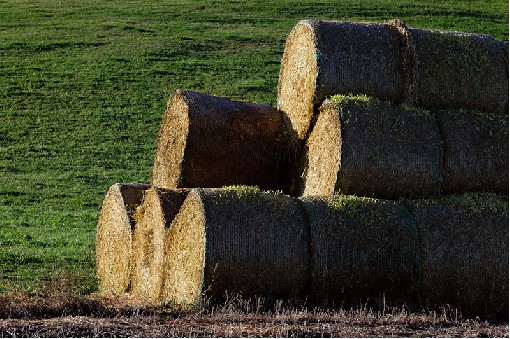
(366, 112)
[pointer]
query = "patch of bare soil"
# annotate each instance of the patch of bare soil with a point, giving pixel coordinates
(31, 315)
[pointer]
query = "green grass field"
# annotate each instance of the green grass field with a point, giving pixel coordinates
(84, 84)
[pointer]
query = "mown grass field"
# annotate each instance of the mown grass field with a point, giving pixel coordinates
(84, 84)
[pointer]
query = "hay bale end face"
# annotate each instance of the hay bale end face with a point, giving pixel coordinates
(475, 151)
(367, 147)
(464, 253)
(362, 249)
(209, 141)
(153, 218)
(236, 240)
(433, 69)
(114, 237)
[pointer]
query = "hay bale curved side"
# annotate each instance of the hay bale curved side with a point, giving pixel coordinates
(362, 249)
(209, 141)
(367, 147)
(475, 151)
(464, 251)
(461, 70)
(323, 58)
(114, 237)
(153, 218)
(239, 241)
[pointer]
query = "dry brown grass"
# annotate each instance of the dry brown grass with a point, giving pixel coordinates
(23, 315)
(209, 141)
(114, 237)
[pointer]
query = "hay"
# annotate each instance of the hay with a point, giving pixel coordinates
(433, 69)
(113, 237)
(464, 253)
(236, 241)
(475, 151)
(367, 147)
(208, 141)
(323, 58)
(363, 249)
(153, 218)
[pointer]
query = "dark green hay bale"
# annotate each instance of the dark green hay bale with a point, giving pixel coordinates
(362, 249)
(475, 147)
(114, 237)
(209, 141)
(432, 69)
(464, 251)
(367, 147)
(461, 70)
(236, 241)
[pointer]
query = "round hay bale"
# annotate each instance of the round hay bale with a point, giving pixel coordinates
(366, 147)
(324, 58)
(475, 147)
(464, 253)
(114, 235)
(153, 218)
(363, 250)
(432, 69)
(236, 240)
(209, 141)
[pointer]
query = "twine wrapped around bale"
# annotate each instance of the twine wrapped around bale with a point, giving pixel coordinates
(209, 141)
(475, 147)
(153, 218)
(389, 61)
(236, 240)
(464, 253)
(114, 237)
(367, 147)
(362, 249)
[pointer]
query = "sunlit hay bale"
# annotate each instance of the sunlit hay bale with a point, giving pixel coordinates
(475, 151)
(236, 240)
(367, 147)
(113, 237)
(209, 141)
(389, 61)
(153, 218)
(324, 58)
(364, 250)
(464, 253)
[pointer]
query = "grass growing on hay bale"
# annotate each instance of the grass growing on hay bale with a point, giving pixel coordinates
(236, 240)
(475, 147)
(367, 147)
(464, 253)
(432, 69)
(114, 237)
(153, 218)
(362, 249)
(209, 141)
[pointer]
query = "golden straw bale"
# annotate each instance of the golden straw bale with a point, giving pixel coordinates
(153, 218)
(114, 237)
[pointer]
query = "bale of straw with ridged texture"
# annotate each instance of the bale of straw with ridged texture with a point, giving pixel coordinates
(475, 147)
(367, 147)
(363, 250)
(389, 61)
(114, 237)
(210, 141)
(153, 219)
(464, 253)
(236, 240)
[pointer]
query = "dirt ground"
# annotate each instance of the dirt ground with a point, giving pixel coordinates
(25, 315)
